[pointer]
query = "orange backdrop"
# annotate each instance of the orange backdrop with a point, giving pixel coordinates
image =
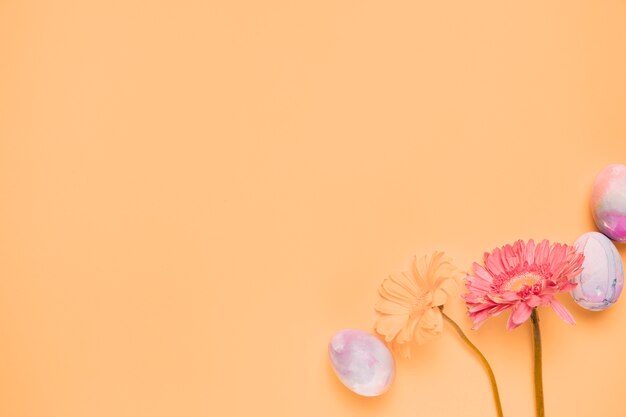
(195, 195)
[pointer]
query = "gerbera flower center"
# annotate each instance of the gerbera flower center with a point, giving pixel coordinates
(522, 281)
(420, 303)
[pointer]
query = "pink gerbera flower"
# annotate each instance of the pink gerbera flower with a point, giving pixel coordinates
(521, 277)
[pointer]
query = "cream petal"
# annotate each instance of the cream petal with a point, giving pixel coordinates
(431, 319)
(396, 287)
(404, 349)
(446, 290)
(439, 297)
(420, 270)
(434, 266)
(421, 336)
(384, 306)
(390, 326)
(406, 334)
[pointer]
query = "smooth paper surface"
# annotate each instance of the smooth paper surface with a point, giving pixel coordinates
(195, 195)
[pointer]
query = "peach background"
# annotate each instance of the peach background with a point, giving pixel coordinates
(195, 195)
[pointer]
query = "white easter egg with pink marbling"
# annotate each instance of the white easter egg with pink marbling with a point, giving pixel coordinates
(601, 281)
(608, 202)
(362, 362)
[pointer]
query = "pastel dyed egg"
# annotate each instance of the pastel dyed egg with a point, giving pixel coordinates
(362, 362)
(602, 278)
(608, 202)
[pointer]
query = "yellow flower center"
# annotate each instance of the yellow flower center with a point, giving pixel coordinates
(524, 280)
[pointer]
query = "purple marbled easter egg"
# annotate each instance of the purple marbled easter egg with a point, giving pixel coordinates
(362, 362)
(608, 202)
(602, 279)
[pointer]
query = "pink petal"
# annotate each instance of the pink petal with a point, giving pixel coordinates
(562, 312)
(511, 257)
(480, 316)
(472, 297)
(481, 272)
(476, 284)
(542, 250)
(557, 254)
(535, 301)
(504, 297)
(520, 314)
(507, 255)
(493, 263)
(479, 319)
(530, 252)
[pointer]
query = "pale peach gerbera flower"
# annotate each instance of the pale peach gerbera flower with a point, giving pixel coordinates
(409, 302)
(521, 277)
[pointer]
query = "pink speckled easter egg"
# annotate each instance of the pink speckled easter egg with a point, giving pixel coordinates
(608, 202)
(362, 362)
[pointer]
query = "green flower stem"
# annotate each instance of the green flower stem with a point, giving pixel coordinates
(538, 366)
(483, 361)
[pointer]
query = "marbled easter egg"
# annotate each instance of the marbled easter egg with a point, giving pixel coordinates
(608, 202)
(602, 278)
(362, 362)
